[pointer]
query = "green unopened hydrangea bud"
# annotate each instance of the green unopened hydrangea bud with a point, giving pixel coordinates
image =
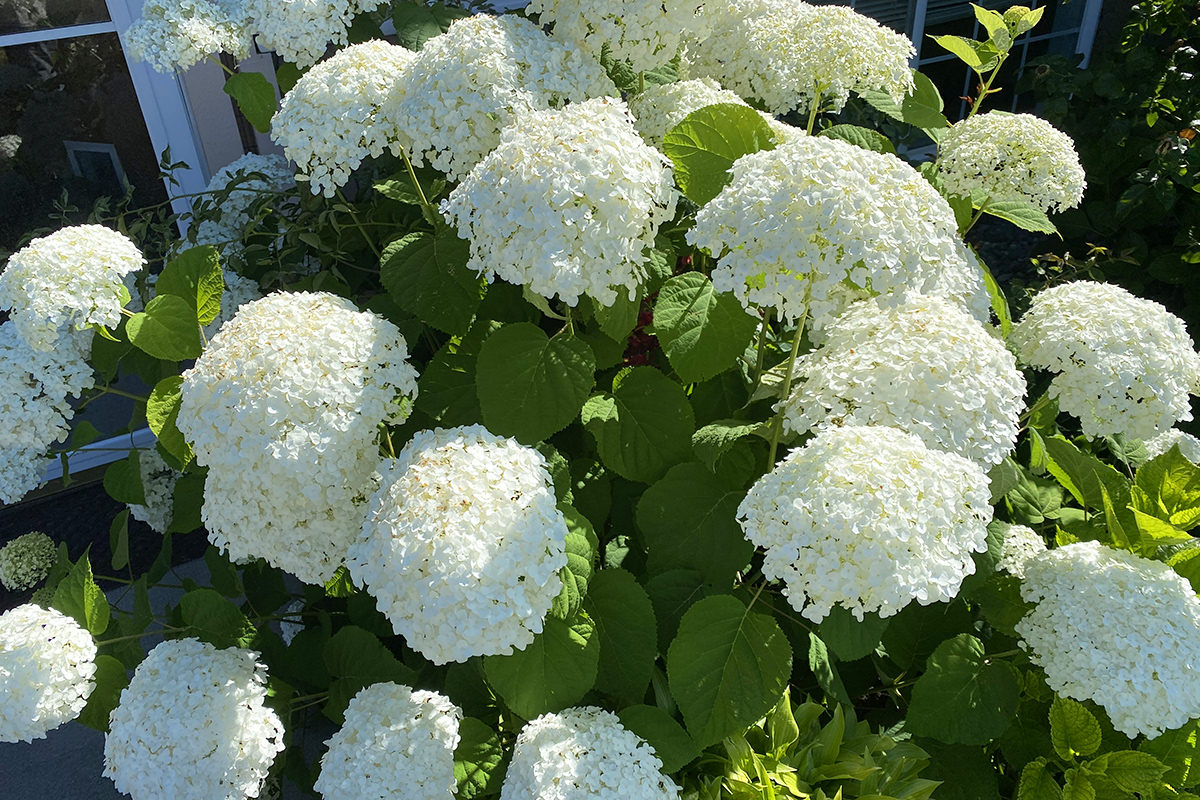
(1015, 14)
(43, 596)
(25, 561)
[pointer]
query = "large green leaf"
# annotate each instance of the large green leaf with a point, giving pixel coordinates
(643, 427)
(628, 633)
(1073, 729)
(1171, 484)
(554, 672)
(1037, 783)
(356, 659)
(822, 666)
(476, 759)
(704, 145)
(417, 22)
(576, 575)
(718, 438)
(123, 480)
(1021, 214)
(111, 679)
(727, 667)
(446, 388)
(531, 386)
(1130, 770)
(849, 638)
(963, 697)
(1179, 750)
(162, 411)
(255, 97)
(195, 276)
(212, 618)
(670, 741)
(922, 108)
(79, 597)
(865, 138)
(702, 331)
(672, 593)
(167, 329)
(426, 274)
(1084, 475)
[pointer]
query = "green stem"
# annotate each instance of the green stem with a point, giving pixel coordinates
(762, 349)
(815, 108)
(142, 635)
(978, 213)
(358, 224)
(314, 696)
(777, 428)
(218, 62)
(426, 206)
(641, 81)
(986, 88)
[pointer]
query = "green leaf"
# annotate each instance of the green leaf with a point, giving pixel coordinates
(287, 75)
(821, 664)
(702, 331)
(963, 698)
(727, 667)
(1084, 475)
(1003, 478)
(922, 108)
(426, 275)
(79, 597)
(111, 679)
(1172, 486)
(167, 329)
(531, 386)
(341, 584)
(446, 388)
(1178, 750)
(118, 539)
(1154, 532)
(576, 576)
(402, 190)
(222, 573)
(1037, 783)
(1022, 215)
(162, 410)
(1073, 729)
(718, 438)
(627, 632)
(552, 673)
(670, 741)
(967, 50)
(1034, 499)
(704, 145)
(618, 320)
(999, 301)
(123, 480)
(212, 618)
(356, 659)
(255, 96)
(865, 138)
(689, 521)
(195, 277)
(672, 593)
(999, 599)
(1130, 770)
(476, 759)
(643, 427)
(187, 502)
(417, 22)
(847, 637)
(1187, 564)
(1077, 786)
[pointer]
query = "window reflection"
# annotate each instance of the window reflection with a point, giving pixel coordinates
(36, 15)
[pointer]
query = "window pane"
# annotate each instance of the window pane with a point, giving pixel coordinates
(36, 15)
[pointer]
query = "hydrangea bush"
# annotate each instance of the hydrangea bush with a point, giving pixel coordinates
(593, 412)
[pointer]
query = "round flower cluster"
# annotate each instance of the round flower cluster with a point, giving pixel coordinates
(393, 737)
(175, 34)
(584, 753)
(26, 561)
(1020, 544)
(158, 484)
(662, 107)
(920, 364)
(1125, 364)
(10, 145)
(870, 519)
(284, 405)
(46, 666)
(1189, 446)
(1011, 157)
(1118, 629)
(333, 117)
(467, 84)
(75, 276)
(301, 30)
(796, 221)
(567, 203)
(832, 51)
(193, 724)
(252, 176)
(463, 544)
(647, 33)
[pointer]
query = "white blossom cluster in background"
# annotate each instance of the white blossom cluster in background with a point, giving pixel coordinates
(663, 106)
(1189, 445)
(193, 724)
(1020, 543)
(920, 364)
(567, 203)
(334, 116)
(869, 519)
(797, 221)
(301, 30)
(647, 33)
(284, 406)
(394, 742)
(584, 753)
(74, 277)
(1118, 629)
(462, 544)
(1011, 157)
(252, 177)
(175, 34)
(1123, 364)
(158, 485)
(47, 664)
(782, 51)
(469, 83)
(26, 560)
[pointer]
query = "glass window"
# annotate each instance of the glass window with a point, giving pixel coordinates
(17, 16)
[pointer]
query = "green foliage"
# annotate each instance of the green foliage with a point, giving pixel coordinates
(552, 673)
(78, 596)
(704, 145)
(255, 97)
(701, 331)
(426, 275)
(643, 426)
(627, 632)
(964, 697)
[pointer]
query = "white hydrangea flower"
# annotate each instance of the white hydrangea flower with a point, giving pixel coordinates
(1020, 544)
(567, 203)
(47, 662)
(662, 107)
(334, 117)
(781, 52)
(73, 277)
(870, 519)
(463, 544)
(1011, 157)
(394, 742)
(301, 30)
(292, 624)
(1189, 446)
(920, 364)
(10, 145)
(26, 561)
(285, 406)
(158, 483)
(1118, 629)
(175, 34)
(1124, 364)
(252, 176)
(584, 753)
(646, 33)
(21, 471)
(193, 724)
(820, 207)
(469, 83)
